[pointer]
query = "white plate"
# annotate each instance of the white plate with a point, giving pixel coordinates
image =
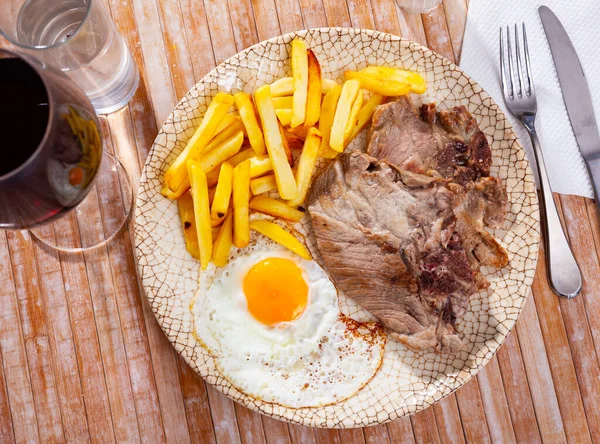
(407, 382)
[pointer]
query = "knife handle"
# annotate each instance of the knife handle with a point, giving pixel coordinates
(563, 272)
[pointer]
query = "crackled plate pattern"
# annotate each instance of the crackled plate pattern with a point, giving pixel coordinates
(407, 381)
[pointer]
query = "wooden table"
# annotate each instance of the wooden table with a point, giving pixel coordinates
(83, 358)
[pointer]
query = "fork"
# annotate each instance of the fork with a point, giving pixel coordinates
(519, 96)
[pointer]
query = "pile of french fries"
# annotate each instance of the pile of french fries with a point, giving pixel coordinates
(242, 152)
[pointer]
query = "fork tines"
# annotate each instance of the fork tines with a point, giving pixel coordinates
(523, 84)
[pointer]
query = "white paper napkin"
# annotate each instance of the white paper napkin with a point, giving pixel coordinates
(480, 55)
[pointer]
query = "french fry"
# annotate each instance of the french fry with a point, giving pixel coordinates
(271, 129)
(387, 87)
(282, 87)
(260, 165)
(221, 137)
(173, 195)
(188, 221)
(281, 236)
(241, 156)
(201, 211)
(327, 85)
(352, 119)
(286, 146)
(350, 90)
(415, 80)
(295, 142)
(285, 86)
(306, 165)
(220, 153)
(241, 197)
(177, 172)
(300, 73)
(212, 177)
(275, 208)
(300, 132)
(228, 120)
(223, 242)
(263, 184)
(326, 121)
(313, 97)
(211, 193)
(220, 203)
(248, 116)
(284, 116)
(218, 221)
(286, 102)
(366, 113)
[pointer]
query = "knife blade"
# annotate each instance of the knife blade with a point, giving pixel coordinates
(575, 92)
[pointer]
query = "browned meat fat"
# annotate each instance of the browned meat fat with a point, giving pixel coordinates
(401, 229)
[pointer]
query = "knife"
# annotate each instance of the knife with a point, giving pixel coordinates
(576, 94)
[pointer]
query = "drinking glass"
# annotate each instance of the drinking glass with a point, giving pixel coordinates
(418, 6)
(51, 154)
(79, 38)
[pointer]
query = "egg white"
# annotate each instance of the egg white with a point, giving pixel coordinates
(319, 358)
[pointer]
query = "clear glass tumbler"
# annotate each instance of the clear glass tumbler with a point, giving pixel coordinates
(418, 6)
(79, 38)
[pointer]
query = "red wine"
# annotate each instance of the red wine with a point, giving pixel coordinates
(23, 113)
(50, 146)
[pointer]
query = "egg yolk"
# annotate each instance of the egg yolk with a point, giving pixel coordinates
(275, 291)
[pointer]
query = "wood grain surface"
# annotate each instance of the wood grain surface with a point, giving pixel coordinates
(83, 358)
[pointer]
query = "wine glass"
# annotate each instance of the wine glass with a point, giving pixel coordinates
(51, 153)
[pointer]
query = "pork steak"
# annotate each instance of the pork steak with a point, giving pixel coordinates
(401, 229)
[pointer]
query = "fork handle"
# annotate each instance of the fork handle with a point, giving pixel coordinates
(563, 272)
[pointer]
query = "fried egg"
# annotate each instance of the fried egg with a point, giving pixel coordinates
(271, 321)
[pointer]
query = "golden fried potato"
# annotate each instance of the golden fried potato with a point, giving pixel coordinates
(218, 221)
(281, 236)
(275, 208)
(415, 80)
(222, 196)
(286, 102)
(212, 177)
(173, 195)
(295, 142)
(241, 197)
(220, 153)
(284, 116)
(300, 73)
(282, 87)
(241, 156)
(223, 242)
(285, 86)
(273, 138)
(177, 172)
(366, 113)
(352, 119)
(248, 116)
(350, 91)
(313, 98)
(326, 121)
(386, 87)
(286, 145)
(201, 211)
(306, 165)
(188, 221)
(260, 165)
(263, 184)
